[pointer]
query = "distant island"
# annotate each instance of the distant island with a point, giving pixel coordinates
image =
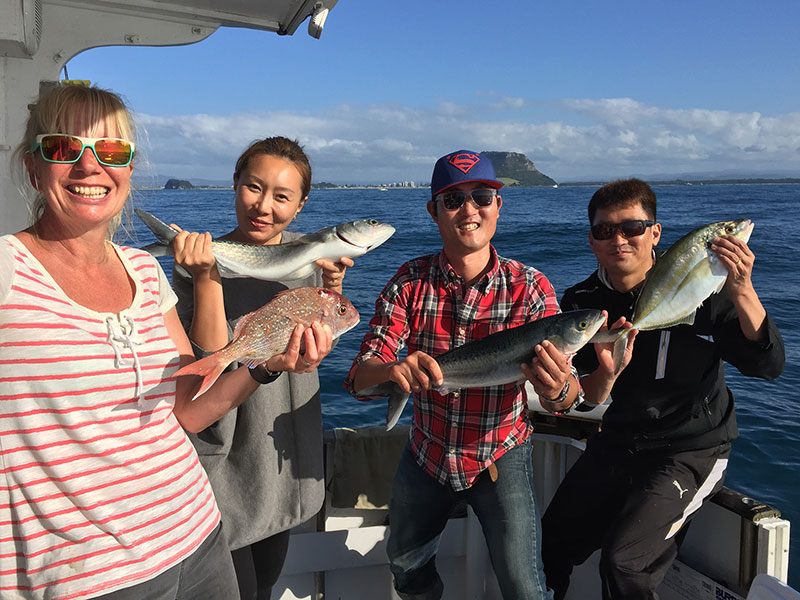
(516, 170)
(512, 168)
(178, 184)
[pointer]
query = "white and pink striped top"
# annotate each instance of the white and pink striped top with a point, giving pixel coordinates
(100, 488)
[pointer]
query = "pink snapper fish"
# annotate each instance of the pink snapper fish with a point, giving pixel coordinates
(263, 333)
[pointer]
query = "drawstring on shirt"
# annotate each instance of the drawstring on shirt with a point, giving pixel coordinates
(119, 337)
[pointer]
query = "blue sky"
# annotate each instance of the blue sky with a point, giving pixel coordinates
(586, 89)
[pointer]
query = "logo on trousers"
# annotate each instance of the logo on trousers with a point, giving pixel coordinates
(681, 491)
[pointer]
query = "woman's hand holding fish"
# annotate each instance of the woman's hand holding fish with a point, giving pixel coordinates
(316, 341)
(333, 272)
(737, 257)
(419, 371)
(193, 253)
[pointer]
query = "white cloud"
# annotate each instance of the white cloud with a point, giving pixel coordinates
(588, 138)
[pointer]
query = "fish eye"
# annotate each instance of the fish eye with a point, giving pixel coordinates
(730, 228)
(342, 309)
(373, 221)
(583, 325)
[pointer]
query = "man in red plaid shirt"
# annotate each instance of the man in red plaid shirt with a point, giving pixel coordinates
(470, 445)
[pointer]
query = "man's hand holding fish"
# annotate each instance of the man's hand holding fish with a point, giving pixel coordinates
(737, 257)
(419, 371)
(480, 315)
(597, 384)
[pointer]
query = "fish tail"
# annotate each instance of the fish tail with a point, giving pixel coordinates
(158, 249)
(618, 353)
(620, 339)
(395, 405)
(209, 368)
(163, 232)
(397, 399)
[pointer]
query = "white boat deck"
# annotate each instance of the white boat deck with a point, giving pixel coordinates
(341, 553)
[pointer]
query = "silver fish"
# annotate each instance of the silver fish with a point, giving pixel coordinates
(496, 359)
(293, 260)
(681, 280)
(263, 333)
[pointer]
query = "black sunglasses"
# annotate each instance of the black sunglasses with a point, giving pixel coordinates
(605, 231)
(455, 200)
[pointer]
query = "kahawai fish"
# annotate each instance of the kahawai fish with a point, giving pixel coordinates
(496, 359)
(263, 333)
(286, 262)
(682, 278)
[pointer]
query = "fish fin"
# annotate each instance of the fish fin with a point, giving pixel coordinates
(397, 399)
(237, 329)
(302, 241)
(284, 293)
(163, 232)
(250, 362)
(228, 272)
(209, 368)
(702, 270)
(302, 272)
(687, 320)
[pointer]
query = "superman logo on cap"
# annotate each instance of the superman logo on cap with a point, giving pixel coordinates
(464, 161)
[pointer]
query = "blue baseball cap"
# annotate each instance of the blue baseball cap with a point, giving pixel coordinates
(462, 166)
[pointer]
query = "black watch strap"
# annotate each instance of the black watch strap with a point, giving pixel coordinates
(263, 376)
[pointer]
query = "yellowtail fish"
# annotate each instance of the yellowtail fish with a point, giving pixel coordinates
(496, 358)
(682, 278)
(281, 262)
(263, 333)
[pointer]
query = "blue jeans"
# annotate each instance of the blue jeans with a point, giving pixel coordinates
(506, 509)
(206, 574)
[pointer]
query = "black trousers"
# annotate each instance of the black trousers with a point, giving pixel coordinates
(259, 565)
(633, 507)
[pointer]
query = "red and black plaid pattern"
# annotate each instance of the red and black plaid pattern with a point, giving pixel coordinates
(426, 307)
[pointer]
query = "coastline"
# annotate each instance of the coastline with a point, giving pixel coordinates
(384, 188)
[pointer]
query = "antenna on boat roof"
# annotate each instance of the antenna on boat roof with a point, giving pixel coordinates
(317, 20)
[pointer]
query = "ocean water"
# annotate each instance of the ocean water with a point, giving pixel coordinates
(547, 228)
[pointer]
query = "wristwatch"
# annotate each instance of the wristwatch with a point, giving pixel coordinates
(562, 396)
(579, 399)
(263, 376)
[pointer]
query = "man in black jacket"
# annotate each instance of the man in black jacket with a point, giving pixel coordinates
(665, 439)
